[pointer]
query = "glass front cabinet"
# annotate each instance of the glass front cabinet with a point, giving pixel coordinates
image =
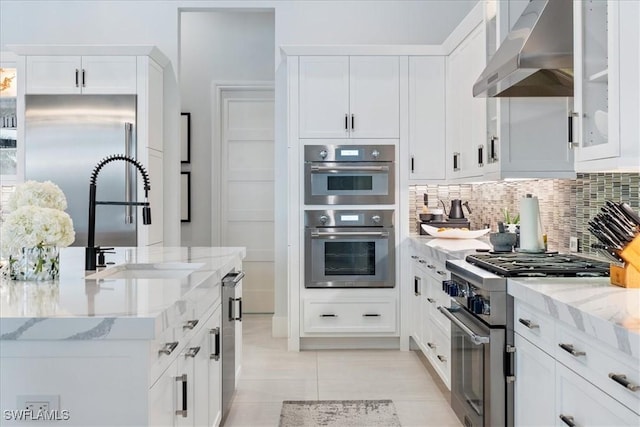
(8, 120)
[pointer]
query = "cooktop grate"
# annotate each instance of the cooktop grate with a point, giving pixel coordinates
(539, 265)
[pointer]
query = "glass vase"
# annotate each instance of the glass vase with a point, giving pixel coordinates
(36, 263)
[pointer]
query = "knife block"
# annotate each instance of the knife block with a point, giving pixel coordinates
(629, 275)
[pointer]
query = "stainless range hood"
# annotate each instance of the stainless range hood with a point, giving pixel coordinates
(536, 57)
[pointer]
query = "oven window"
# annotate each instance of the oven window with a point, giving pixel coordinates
(353, 182)
(350, 258)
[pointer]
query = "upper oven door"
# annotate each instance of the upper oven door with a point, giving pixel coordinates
(352, 183)
(349, 257)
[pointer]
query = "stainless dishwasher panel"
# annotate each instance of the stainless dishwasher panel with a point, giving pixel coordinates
(231, 313)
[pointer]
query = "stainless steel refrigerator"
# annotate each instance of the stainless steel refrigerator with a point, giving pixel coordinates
(65, 137)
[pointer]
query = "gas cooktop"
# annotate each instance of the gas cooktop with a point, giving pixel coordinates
(539, 265)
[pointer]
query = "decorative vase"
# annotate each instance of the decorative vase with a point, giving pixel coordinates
(37, 263)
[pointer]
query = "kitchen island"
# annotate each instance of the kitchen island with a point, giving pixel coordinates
(116, 349)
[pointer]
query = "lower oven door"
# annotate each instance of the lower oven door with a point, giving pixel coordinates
(477, 369)
(349, 258)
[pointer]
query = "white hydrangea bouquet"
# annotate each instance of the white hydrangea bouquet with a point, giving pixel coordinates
(35, 229)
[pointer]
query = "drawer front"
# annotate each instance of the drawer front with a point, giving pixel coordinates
(583, 404)
(534, 325)
(613, 373)
(439, 354)
(349, 316)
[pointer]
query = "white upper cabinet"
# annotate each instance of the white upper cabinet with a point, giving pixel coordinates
(81, 74)
(466, 115)
(526, 137)
(607, 87)
(349, 97)
(427, 118)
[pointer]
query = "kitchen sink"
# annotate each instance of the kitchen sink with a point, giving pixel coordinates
(162, 270)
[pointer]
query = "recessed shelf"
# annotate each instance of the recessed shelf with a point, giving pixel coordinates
(600, 77)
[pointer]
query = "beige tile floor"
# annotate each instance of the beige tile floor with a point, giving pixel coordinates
(271, 374)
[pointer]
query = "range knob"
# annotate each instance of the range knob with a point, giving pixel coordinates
(323, 219)
(323, 154)
(453, 290)
(376, 219)
(375, 154)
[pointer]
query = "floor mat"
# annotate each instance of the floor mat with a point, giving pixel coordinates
(338, 413)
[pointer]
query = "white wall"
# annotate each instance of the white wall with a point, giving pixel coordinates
(296, 22)
(215, 47)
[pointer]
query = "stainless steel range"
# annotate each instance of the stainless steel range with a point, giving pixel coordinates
(481, 315)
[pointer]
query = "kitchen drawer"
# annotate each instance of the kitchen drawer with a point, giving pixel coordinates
(534, 325)
(596, 363)
(582, 403)
(436, 298)
(439, 354)
(348, 316)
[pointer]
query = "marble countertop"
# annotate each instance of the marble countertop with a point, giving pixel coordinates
(75, 307)
(592, 305)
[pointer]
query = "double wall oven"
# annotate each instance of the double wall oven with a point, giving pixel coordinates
(349, 249)
(481, 315)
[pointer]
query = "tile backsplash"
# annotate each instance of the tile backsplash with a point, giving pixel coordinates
(566, 205)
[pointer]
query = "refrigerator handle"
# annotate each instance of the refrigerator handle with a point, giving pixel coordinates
(129, 180)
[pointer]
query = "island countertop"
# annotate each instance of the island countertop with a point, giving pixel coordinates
(75, 307)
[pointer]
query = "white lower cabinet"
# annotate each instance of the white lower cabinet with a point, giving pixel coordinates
(433, 331)
(564, 376)
(188, 393)
(534, 385)
(580, 403)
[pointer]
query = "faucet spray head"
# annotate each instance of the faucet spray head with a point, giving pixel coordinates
(146, 215)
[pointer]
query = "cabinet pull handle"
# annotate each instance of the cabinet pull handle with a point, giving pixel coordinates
(353, 122)
(622, 380)
(371, 315)
(239, 317)
(414, 257)
(416, 286)
(431, 266)
(441, 358)
(77, 77)
(192, 352)
(346, 123)
(168, 348)
(529, 324)
(431, 345)
(493, 152)
(442, 273)
(328, 315)
(569, 349)
(572, 143)
(216, 343)
(190, 324)
(421, 261)
(183, 379)
(568, 420)
(431, 300)
(412, 164)
(83, 78)
(456, 161)
(481, 155)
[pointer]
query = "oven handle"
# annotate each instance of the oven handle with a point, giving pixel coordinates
(335, 169)
(320, 234)
(475, 338)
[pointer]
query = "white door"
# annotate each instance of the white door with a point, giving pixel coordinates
(247, 189)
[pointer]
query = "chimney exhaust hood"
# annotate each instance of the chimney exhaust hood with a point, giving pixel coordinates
(536, 57)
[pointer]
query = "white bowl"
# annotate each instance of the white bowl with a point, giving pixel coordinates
(454, 233)
(601, 119)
